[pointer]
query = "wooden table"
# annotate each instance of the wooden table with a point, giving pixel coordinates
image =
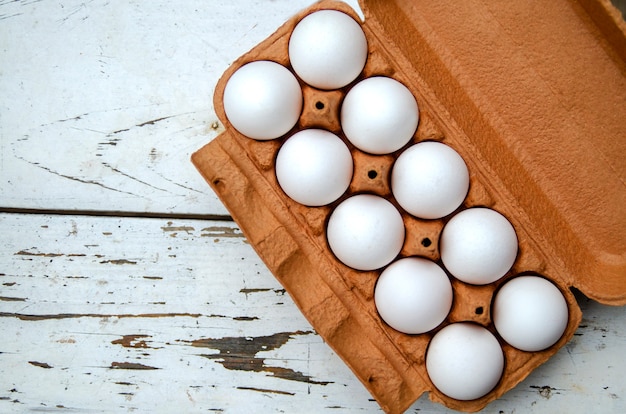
(124, 285)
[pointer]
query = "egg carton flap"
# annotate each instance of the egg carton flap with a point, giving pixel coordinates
(537, 93)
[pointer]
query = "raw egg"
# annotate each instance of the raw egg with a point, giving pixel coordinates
(530, 313)
(379, 115)
(314, 167)
(328, 49)
(365, 232)
(478, 246)
(413, 295)
(263, 100)
(464, 361)
(429, 180)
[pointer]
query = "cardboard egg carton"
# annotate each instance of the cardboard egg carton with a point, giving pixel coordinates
(532, 98)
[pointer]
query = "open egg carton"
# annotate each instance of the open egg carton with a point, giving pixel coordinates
(541, 149)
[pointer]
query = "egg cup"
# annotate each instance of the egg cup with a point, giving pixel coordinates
(338, 300)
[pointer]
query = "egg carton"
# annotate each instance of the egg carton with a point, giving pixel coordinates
(573, 241)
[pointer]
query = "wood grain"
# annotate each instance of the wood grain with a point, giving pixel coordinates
(104, 101)
(116, 306)
(112, 314)
(101, 104)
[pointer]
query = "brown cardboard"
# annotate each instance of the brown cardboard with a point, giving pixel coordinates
(539, 93)
(534, 99)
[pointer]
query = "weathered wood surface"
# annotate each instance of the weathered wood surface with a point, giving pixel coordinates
(133, 314)
(101, 104)
(106, 314)
(106, 100)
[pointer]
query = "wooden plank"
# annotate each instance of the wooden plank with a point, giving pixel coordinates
(105, 314)
(111, 313)
(103, 102)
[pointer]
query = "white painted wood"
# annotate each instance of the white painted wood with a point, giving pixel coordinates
(87, 301)
(102, 102)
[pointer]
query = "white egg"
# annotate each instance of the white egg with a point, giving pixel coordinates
(263, 100)
(314, 167)
(464, 361)
(530, 313)
(429, 180)
(328, 49)
(413, 295)
(365, 232)
(478, 246)
(379, 115)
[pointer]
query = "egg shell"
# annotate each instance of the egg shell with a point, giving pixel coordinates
(365, 232)
(328, 49)
(513, 129)
(413, 295)
(530, 313)
(429, 180)
(478, 246)
(464, 361)
(263, 100)
(314, 167)
(379, 115)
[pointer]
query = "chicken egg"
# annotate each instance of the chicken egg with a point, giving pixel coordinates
(263, 100)
(478, 246)
(365, 232)
(314, 167)
(429, 180)
(328, 49)
(530, 313)
(413, 295)
(464, 361)
(379, 115)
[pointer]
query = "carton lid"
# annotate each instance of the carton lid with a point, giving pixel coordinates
(537, 93)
